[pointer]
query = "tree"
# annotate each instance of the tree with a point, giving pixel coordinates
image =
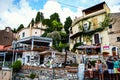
(20, 27)
(56, 25)
(62, 46)
(32, 22)
(67, 24)
(55, 16)
(52, 24)
(55, 35)
(14, 30)
(39, 17)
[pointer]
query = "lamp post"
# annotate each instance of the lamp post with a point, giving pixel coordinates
(13, 46)
(65, 58)
(53, 68)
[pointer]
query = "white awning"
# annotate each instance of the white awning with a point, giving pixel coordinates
(87, 46)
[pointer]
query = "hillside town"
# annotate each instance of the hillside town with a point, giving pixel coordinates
(41, 52)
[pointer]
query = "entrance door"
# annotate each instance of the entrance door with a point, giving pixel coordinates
(41, 59)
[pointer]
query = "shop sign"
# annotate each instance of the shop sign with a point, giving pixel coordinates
(105, 47)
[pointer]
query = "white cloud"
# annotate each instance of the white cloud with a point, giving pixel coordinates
(23, 14)
(114, 5)
(52, 6)
(14, 15)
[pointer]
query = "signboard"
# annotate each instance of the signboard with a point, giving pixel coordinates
(105, 47)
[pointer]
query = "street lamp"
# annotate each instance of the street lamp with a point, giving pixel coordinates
(65, 58)
(13, 46)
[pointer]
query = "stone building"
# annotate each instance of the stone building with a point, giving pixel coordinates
(6, 36)
(114, 32)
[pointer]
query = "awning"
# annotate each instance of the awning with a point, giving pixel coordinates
(87, 46)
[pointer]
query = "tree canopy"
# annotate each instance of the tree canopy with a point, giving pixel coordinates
(39, 17)
(67, 24)
(54, 28)
(20, 27)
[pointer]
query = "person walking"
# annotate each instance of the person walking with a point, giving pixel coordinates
(110, 66)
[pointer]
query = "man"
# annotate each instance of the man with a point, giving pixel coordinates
(110, 66)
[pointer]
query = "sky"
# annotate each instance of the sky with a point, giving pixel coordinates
(16, 12)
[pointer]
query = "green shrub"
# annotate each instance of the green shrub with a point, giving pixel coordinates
(17, 66)
(32, 75)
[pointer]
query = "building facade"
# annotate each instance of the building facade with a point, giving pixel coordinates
(87, 33)
(6, 36)
(36, 30)
(114, 33)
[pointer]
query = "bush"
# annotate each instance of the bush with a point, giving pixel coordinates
(17, 66)
(32, 75)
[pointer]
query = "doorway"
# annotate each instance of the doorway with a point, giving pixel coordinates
(41, 59)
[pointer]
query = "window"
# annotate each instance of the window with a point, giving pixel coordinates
(85, 26)
(110, 26)
(6, 38)
(118, 39)
(35, 32)
(28, 59)
(96, 39)
(23, 34)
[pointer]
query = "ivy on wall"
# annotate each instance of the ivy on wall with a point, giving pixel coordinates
(103, 25)
(88, 33)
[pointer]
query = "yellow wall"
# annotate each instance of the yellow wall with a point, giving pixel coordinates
(95, 18)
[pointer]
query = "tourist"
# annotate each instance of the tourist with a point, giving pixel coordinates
(116, 66)
(110, 66)
(99, 67)
(89, 68)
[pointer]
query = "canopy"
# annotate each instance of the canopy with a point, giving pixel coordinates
(87, 46)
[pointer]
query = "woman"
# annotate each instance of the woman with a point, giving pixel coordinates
(99, 67)
(116, 66)
(89, 67)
